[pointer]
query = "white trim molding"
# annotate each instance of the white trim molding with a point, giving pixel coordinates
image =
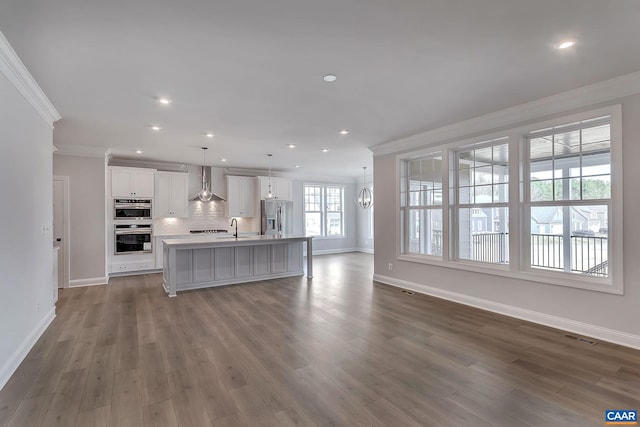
(365, 250)
(13, 68)
(585, 96)
(594, 331)
(93, 281)
(81, 151)
(331, 251)
(10, 367)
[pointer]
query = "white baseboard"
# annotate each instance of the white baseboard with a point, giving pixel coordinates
(331, 251)
(594, 331)
(334, 251)
(365, 250)
(93, 281)
(21, 352)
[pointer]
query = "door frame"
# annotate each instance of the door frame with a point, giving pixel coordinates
(66, 268)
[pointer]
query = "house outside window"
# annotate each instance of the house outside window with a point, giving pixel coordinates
(567, 203)
(570, 178)
(421, 204)
(324, 210)
(480, 201)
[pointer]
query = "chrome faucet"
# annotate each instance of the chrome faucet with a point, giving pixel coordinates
(236, 221)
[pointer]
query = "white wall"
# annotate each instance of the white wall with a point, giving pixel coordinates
(86, 215)
(608, 316)
(26, 260)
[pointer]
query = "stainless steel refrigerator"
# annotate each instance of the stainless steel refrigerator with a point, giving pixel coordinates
(276, 217)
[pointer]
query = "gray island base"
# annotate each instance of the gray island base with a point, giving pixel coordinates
(195, 263)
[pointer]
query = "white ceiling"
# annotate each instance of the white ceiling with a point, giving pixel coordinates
(251, 70)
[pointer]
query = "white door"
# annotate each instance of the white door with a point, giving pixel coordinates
(60, 227)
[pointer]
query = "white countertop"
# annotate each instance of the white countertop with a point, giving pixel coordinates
(200, 235)
(241, 240)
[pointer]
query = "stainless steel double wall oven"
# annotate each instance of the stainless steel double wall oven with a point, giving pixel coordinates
(132, 230)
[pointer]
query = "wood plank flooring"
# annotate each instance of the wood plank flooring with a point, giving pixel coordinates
(338, 350)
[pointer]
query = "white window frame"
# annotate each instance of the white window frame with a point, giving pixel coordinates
(455, 204)
(407, 208)
(324, 210)
(519, 227)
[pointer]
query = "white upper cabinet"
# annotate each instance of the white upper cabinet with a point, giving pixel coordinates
(131, 182)
(241, 196)
(280, 187)
(171, 198)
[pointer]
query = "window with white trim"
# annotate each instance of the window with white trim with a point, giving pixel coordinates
(421, 204)
(480, 202)
(561, 194)
(569, 197)
(324, 210)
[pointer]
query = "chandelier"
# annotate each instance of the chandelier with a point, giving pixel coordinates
(365, 196)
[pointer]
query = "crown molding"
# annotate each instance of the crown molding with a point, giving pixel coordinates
(295, 175)
(81, 151)
(585, 96)
(13, 68)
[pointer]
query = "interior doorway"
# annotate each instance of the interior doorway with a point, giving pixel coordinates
(61, 227)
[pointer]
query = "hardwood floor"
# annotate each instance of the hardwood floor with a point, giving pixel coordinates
(338, 350)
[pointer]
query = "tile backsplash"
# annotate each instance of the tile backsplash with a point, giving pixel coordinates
(204, 216)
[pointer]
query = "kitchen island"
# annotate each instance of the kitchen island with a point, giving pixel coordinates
(194, 263)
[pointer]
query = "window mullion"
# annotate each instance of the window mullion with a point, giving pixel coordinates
(445, 172)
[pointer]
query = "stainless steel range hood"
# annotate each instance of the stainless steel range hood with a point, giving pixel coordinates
(206, 185)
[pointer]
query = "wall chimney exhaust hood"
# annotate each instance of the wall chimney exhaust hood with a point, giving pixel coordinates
(205, 194)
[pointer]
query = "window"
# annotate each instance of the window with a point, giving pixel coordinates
(324, 210)
(480, 201)
(421, 205)
(565, 200)
(570, 197)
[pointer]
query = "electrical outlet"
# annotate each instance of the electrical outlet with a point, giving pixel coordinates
(390, 266)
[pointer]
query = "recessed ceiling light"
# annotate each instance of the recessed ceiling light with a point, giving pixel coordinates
(297, 166)
(155, 127)
(223, 159)
(291, 145)
(138, 151)
(325, 150)
(329, 78)
(209, 135)
(344, 132)
(164, 101)
(565, 44)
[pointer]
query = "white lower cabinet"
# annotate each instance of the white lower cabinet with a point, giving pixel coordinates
(262, 260)
(202, 262)
(244, 261)
(224, 263)
(159, 255)
(279, 258)
(132, 266)
(200, 267)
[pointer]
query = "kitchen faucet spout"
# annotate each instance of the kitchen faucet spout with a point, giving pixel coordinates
(233, 220)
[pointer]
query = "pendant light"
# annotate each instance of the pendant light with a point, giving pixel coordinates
(365, 196)
(269, 194)
(205, 193)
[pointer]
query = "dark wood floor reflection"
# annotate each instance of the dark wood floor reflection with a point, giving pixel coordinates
(339, 350)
